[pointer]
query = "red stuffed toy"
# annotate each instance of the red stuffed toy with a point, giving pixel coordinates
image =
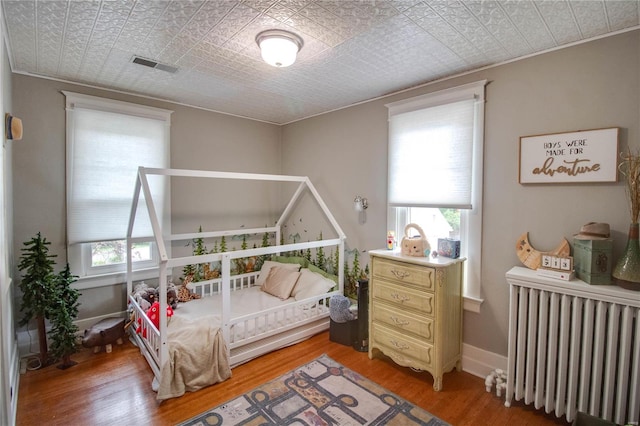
(152, 313)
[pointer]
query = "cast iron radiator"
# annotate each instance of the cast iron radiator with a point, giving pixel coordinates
(573, 347)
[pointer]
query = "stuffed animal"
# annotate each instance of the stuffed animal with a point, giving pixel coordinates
(103, 334)
(339, 309)
(184, 294)
(154, 315)
(144, 295)
(172, 296)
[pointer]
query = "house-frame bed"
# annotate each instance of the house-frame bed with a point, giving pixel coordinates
(251, 334)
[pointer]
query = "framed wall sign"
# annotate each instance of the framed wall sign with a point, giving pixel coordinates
(573, 157)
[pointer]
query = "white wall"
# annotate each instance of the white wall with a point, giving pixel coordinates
(8, 347)
(593, 85)
(199, 140)
(344, 153)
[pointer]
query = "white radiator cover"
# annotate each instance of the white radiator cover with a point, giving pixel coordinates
(573, 347)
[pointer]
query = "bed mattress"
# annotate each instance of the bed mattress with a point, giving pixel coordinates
(243, 302)
(246, 302)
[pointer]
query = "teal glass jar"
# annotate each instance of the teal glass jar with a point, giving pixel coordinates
(627, 270)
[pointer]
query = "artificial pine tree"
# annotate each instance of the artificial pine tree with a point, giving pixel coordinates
(38, 287)
(64, 312)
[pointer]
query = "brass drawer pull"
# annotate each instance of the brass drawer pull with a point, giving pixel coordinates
(398, 321)
(399, 346)
(401, 275)
(400, 297)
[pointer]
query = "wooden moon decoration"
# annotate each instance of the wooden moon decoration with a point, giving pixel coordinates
(532, 258)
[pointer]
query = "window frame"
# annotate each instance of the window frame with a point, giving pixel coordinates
(79, 254)
(470, 219)
(87, 261)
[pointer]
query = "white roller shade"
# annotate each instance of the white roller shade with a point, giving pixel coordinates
(431, 150)
(105, 149)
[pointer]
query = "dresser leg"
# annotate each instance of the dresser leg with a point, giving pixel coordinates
(437, 383)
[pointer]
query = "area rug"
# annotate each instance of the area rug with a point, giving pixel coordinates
(322, 392)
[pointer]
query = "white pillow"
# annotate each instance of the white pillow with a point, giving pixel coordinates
(280, 282)
(268, 264)
(311, 284)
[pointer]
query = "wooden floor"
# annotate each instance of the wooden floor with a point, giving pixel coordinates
(115, 389)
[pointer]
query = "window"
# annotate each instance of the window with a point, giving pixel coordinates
(435, 172)
(106, 143)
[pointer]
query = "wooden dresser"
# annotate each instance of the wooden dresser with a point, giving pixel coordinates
(415, 311)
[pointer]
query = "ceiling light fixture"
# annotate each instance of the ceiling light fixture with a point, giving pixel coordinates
(279, 47)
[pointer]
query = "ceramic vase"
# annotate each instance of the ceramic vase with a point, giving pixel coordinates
(627, 269)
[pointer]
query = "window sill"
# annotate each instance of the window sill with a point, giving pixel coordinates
(472, 304)
(115, 278)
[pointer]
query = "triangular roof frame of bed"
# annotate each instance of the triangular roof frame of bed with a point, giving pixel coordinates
(165, 262)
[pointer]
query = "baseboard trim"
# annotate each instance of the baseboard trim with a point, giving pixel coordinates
(480, 362)
(14, 383)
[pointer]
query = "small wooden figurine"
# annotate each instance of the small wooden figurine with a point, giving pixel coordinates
(532, 258)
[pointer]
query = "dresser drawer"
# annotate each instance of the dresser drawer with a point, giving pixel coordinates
(417, 352)
(405, 273)
(403, 320)
(404, 297)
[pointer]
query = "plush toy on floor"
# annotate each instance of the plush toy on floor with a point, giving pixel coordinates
(103, 334)
(339, 309)
(499, 378)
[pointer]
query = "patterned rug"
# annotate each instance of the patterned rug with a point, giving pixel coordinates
(321, 392)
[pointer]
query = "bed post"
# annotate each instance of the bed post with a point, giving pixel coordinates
(226, 299)
(341, 266)
(164, 346)
(132, 218)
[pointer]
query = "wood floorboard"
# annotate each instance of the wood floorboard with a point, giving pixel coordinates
(115, 389)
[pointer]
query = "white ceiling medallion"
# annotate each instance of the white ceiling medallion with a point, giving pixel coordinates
(279, 47)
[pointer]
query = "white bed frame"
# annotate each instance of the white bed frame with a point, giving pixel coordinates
(153, 343)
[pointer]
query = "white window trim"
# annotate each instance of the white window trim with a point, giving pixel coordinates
(111, 279)
(473, 231)
(79, 100)
(471, 225)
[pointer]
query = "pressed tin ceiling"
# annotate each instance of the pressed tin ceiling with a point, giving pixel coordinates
(353, 50)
